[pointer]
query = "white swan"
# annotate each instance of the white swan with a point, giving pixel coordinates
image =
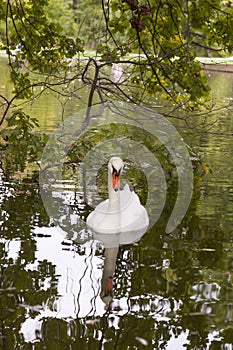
(122, 212)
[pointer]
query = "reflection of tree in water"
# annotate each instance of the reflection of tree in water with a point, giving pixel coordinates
(22, 295)
(23, 290)
(164, 286)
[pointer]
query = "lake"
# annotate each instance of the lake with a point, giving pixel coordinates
(170, 290)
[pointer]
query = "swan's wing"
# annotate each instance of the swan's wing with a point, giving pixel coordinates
(128, 215)
(98, 214)
(133, 214)
(104, 220)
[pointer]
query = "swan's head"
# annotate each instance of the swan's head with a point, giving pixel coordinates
(115, 168)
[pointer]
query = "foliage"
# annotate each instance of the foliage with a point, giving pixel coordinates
(90, 21)
(18, 144)
(163, 34)
(153, 44)
(43, 46)
(62, 14)
(156, 42)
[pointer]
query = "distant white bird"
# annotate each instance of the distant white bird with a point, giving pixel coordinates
(117, 73)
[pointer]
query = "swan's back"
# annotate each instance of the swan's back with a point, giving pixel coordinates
(124, 215)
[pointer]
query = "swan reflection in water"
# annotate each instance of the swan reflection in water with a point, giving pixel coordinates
(121, 219)
(112, 243)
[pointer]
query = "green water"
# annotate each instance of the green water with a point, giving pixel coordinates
(171, 291)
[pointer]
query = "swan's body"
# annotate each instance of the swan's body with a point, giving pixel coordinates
(122, 212)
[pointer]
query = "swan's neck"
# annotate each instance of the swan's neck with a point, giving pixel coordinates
(114, 196)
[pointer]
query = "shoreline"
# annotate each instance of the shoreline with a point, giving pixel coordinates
(224, 65)
(218, 67)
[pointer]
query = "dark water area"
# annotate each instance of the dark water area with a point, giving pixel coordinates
(170, 290)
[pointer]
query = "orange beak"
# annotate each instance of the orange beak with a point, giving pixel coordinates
(116, 181)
